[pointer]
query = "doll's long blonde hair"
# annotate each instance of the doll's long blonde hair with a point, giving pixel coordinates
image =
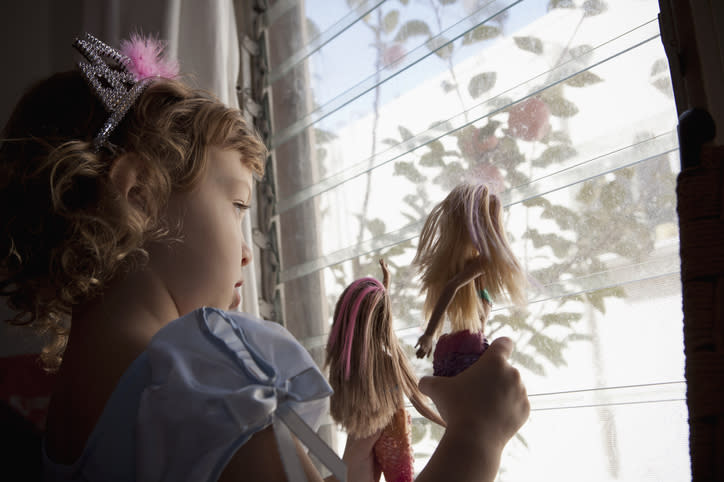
(368, 368)
(468, 223)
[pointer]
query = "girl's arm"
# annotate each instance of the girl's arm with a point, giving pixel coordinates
(481, 417)
(470, 271)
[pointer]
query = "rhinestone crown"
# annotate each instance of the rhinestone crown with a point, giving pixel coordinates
(106, 72)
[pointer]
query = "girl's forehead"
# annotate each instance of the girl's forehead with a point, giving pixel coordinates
(227, 166)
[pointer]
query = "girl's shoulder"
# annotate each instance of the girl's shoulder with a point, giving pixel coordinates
(234, 343)
(223, 375)
(205, 384)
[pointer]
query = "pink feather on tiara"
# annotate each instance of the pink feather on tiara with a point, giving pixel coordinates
(147, 59)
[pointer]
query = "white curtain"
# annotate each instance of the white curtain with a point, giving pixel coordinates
(202, 34)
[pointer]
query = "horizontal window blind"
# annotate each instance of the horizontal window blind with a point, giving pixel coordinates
(378, 108)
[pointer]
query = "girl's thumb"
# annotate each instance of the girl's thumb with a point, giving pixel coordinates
(502, 345)
(429, 386)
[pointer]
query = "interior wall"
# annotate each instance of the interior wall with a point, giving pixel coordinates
(35, 41)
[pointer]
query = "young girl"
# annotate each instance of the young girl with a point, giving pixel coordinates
(465, 261)
(369, 373)
(123, 194)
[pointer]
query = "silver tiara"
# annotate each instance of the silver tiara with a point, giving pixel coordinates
(118, 79)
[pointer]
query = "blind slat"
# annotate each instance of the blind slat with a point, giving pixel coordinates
(414, 57)
(609, 51)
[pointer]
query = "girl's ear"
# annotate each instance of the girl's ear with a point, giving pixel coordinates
(124, 173)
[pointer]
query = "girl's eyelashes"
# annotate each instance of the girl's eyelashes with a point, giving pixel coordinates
(240, 206)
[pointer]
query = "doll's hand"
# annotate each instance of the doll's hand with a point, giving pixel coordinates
(425, 346)
(488, 400)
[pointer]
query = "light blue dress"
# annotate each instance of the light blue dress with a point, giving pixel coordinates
(206, 383)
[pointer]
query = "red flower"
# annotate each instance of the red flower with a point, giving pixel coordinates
(473, 143)
(529, 120)
(392, 54)
(489, 175)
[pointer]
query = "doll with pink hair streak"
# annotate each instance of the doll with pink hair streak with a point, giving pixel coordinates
(370, 373)
(465, 262)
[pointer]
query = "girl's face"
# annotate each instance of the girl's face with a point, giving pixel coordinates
(205, 268)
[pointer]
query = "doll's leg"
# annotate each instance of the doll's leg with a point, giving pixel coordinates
(393, 449)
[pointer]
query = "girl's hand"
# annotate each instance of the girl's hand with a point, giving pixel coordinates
(425, 346)
(486, 401)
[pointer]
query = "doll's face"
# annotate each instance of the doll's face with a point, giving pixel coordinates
(205, 269)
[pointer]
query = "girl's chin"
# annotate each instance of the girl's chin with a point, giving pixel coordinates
(236, 300)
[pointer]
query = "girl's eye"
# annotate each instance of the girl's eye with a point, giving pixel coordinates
(240, 206)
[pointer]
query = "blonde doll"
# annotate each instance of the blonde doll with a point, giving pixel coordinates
(465, 261)
(369, 373)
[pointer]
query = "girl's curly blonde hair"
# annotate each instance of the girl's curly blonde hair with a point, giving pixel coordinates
(67, 229)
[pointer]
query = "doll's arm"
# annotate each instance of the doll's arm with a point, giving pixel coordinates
(385, 274)
(470, 271)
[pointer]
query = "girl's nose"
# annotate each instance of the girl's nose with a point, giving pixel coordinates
(245, 253)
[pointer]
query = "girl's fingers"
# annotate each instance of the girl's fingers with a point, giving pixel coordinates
(502, 346)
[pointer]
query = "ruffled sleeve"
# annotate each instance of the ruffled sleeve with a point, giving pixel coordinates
(217, 378)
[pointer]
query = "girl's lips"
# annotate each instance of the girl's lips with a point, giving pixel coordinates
(236, 300)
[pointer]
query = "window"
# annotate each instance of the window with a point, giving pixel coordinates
(377, 108)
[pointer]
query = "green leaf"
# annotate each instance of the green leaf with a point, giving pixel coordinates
(480, 33)
(323, 136)
(548, 347)
(554, 154)
(531, 44)
(583, 51)
(431, 159)
(448, 86)
(561, 4)
(597, 301)
(663, 84)
(560, 318)
(481, 83)
(376, 227)
(500, 102)
(527, 361)
(441, 46)
(558, 136)
(408, 170)
(312, 29)
(447, 2)
(594, 7)
(537, 201)
(412, 28)
(660, 66)
(321, 153)
(444, 126)
(418, 432)
(405, 133)
(566, 218)
(578, 337)
(560, 107)
(561, 247)
(389, 23)
(583, 79)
